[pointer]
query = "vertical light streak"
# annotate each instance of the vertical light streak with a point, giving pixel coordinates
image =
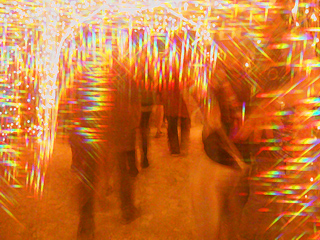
(243, 112)
(42, 61)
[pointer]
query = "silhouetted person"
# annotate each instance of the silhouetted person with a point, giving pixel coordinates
(176, 113)
(159, 113)
(271, 211)
(146, 110)
(104, 134)
(147, 101)
(214, 180)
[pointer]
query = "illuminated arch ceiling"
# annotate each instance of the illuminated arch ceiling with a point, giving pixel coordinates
(34, 37)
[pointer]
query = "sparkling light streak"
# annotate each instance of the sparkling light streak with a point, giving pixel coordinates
(44, 45)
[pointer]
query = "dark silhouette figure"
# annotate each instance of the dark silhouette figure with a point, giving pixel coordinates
(177, 115)
(104, 136)
(146, 110)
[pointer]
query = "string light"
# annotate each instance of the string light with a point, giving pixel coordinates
(37, 41)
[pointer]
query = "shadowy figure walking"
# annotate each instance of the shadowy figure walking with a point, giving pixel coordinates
(147, 101)
(104, 135)
(176, 113)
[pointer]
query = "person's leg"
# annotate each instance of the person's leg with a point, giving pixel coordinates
(87, 174)
(185, 125)
(144, 128)
(207, 182)
(86, 223)
(232, 204)
(173, 137)
(159, 119)
(104, 179)
(75, 146)
(129, 211)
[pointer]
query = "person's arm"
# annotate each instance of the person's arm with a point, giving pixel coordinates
(213, 120)
(212, 116)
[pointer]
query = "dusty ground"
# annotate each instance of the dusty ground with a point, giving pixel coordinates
(162, 192)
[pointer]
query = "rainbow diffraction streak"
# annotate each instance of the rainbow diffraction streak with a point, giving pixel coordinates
(43, 45)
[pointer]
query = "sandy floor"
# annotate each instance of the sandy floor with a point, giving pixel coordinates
(162, 192)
